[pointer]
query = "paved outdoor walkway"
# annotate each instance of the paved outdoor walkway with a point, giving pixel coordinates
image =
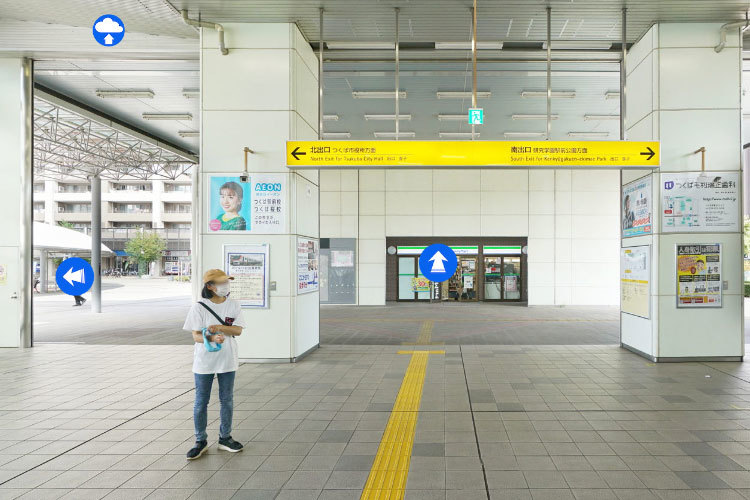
(498, 422)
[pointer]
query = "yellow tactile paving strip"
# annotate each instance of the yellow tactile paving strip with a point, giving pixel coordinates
(387, 479)
(425, 335)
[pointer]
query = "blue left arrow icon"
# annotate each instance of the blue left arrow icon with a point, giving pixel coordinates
(74, 276)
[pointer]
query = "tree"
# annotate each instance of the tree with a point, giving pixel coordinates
(746, 239)
(65, 224)
(144, 249)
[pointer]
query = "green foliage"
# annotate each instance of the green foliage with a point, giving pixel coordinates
(746, 240)
(69, 225)
(747, 289)
(145, 248)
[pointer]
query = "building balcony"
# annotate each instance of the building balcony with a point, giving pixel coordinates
(72, 197)
(176, 217)
(39, 216)
(128, 196)
(176, 197)
(128, 217)
(73, 216)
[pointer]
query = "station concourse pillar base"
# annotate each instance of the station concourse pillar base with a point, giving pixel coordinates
(261, 94)
(683, 93)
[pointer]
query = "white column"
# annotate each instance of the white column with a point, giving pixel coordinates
(15, 202)
(96, 243)
(263, 93)
(685, 95)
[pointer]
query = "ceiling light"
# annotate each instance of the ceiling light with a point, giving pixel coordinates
(388, 117)
(167, 116)
(337, 135)
(457, 135)
(515, 135)
(378, 94)
(578, 44)
(462, 95)
(559, 94)
(534, 117)
(188, 133)
(361, 45)
(612, 95)
(392, 135)
(124, 94)
(453, 118)
(589, 135)
(467, 45)
(601, 117)
(330, 118)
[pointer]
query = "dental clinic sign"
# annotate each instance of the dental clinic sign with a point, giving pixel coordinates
(109, 30)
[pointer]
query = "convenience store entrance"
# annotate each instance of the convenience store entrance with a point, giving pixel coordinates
(489, 270)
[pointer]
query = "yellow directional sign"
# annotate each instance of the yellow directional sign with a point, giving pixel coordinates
(436, 154)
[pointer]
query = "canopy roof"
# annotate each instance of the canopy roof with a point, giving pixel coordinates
(61, 239)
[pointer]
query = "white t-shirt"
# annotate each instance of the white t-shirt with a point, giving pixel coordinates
(227, 359)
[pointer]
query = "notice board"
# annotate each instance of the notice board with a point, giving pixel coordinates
(635, 280)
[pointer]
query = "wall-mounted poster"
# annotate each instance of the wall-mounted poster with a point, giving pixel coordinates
(248, 264)
(420, 284)
(635, 280)
(256, 206)
(699, 275)
(700, 202)
(307, 265)
(636, 208)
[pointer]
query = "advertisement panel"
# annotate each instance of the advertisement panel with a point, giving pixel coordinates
(699, 275)
(257, 205)
(636, 208)
(307, 265)
(635, 280)
(248, 264)
(420, 284)
(700, 202)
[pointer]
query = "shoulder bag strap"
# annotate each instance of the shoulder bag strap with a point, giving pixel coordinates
(212, 312)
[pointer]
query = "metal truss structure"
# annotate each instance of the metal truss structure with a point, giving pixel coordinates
(77, 143)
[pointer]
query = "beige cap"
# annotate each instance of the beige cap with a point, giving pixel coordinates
(215, 275)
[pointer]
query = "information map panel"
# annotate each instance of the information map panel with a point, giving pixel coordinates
(431, 154)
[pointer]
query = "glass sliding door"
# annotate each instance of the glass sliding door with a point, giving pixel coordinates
(406, 268)
(502, 278)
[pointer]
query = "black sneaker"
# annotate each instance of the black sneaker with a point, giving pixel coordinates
(229, 444)
(197, 450)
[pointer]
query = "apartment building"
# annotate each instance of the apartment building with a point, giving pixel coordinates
(128, 206)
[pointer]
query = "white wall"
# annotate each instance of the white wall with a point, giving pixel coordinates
(685, 95)
(569, 217)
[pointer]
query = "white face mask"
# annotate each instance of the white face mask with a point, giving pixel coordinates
(222, 290)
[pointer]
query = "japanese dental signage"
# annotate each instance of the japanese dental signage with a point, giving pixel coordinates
(256, 205)
(699, 275)
(307, 265)
(635, 277)
(700, 202)
(248, 265)
(636, 208)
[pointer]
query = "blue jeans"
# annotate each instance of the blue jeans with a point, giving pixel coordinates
(203, 383)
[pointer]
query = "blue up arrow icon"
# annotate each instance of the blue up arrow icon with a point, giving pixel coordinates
(438, 262)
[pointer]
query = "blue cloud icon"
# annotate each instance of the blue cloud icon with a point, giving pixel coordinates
(108, 25)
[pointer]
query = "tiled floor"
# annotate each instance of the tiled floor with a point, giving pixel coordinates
(497, 422)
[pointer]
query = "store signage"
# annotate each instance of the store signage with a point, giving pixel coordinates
(502, 250)
(417, 250)
(451, 154)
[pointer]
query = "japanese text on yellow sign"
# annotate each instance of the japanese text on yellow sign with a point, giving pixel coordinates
(418, 154)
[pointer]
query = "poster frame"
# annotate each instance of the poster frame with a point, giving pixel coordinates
(650, 264)
(255, 248)
(207, 203)
(652, 211)
(665, 229)
(677, 279)
(296, 252)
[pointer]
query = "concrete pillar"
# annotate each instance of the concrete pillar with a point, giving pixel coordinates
(15, 202)
(96, 243)
(684, 94)
(263, 93)
(43, 271)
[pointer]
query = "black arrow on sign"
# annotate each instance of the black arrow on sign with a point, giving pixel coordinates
(297, 153)
(650, 153)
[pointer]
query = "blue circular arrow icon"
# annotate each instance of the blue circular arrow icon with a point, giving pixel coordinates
(74, 276)
(108, 30)
(438, 262)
